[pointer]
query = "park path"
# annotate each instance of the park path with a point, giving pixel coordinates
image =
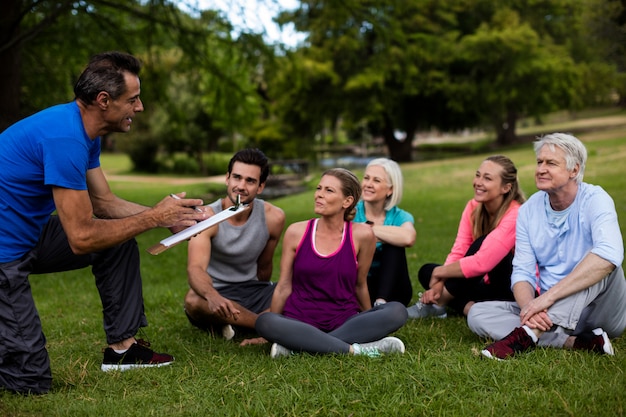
(166, 180)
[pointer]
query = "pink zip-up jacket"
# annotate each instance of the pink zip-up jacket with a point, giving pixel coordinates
(498, 243)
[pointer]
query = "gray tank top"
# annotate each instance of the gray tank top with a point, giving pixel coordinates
(236, 249)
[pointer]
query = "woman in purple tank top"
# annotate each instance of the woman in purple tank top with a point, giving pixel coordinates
(321, 303)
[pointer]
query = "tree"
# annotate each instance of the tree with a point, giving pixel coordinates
(198, 82)
(46, 43)
(606, 20)
(528, 58)
(514, 72)
(305, 96)
(417, 64)
(10, 57)
(198, 106)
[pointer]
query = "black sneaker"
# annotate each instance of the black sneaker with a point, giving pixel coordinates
(594, 341)
(139, 355)
(516, 342)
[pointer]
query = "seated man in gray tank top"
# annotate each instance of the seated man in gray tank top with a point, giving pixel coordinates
(229, 266)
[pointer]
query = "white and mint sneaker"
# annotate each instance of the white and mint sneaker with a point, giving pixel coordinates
(376, 349)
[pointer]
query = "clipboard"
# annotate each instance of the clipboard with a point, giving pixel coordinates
(191, 231)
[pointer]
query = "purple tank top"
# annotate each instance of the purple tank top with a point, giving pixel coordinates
(323, 286)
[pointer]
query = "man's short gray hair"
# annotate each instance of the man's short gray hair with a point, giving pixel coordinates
(575, 151)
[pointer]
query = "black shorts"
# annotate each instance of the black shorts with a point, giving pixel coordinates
(255, 296)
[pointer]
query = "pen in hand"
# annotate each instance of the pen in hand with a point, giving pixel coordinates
(175, 197)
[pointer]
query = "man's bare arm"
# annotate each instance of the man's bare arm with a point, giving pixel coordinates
(86, 233)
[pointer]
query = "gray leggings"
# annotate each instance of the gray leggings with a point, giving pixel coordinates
(364, 327)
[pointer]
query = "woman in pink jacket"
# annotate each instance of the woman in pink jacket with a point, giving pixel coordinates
(479, 265)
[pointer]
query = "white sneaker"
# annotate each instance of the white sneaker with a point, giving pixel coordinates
(420, 311)
(277, 351)
(385, 345)
(228, 332)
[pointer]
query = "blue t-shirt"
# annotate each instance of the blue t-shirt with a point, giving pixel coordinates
(395, 216)
(49, 148)
(555, 242)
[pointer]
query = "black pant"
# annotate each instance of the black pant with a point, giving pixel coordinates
(24, 362)
(475, 289)
(389, 276)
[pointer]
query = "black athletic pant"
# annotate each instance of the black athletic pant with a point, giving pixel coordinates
(24, 362)
(475, 289)
(390, 279)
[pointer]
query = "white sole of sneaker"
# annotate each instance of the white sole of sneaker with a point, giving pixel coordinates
(488, 354)
(277, 351)
(397, 342)
(608, 346)
(128, 367)
(228, 332)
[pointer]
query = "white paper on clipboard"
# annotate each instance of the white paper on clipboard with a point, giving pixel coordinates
(196, 229)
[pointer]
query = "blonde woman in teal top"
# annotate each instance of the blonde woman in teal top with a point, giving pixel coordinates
(388, 278)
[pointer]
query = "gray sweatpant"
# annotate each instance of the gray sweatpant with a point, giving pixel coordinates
(24, 362)
(601, 305)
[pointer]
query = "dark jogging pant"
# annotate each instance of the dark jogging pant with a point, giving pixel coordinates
(24, 362)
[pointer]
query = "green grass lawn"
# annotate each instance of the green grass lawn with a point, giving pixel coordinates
(440, 374)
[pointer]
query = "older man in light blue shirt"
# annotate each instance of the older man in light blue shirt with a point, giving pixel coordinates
(567, 277)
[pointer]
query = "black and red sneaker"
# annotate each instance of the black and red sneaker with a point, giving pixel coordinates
(594, 341)
(139, 355)
(516, 342)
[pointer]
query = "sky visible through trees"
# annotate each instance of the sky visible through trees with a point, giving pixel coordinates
(255, 15)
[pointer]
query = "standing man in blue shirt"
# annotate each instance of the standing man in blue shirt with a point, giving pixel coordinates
(567, 280)
(51, 161)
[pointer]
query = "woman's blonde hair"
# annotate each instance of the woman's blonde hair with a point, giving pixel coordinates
(350, 187)
(394, 173)
(483, 224)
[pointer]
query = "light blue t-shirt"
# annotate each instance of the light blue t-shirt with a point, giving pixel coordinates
(556, 244)
(49, 148)
(393, 217)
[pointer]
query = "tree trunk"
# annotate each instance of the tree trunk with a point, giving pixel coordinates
(200, 160)
(399, 150)
(334, 130)
(506, 131)
(10, 69)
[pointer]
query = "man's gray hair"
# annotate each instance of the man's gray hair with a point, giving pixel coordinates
(574, 149)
